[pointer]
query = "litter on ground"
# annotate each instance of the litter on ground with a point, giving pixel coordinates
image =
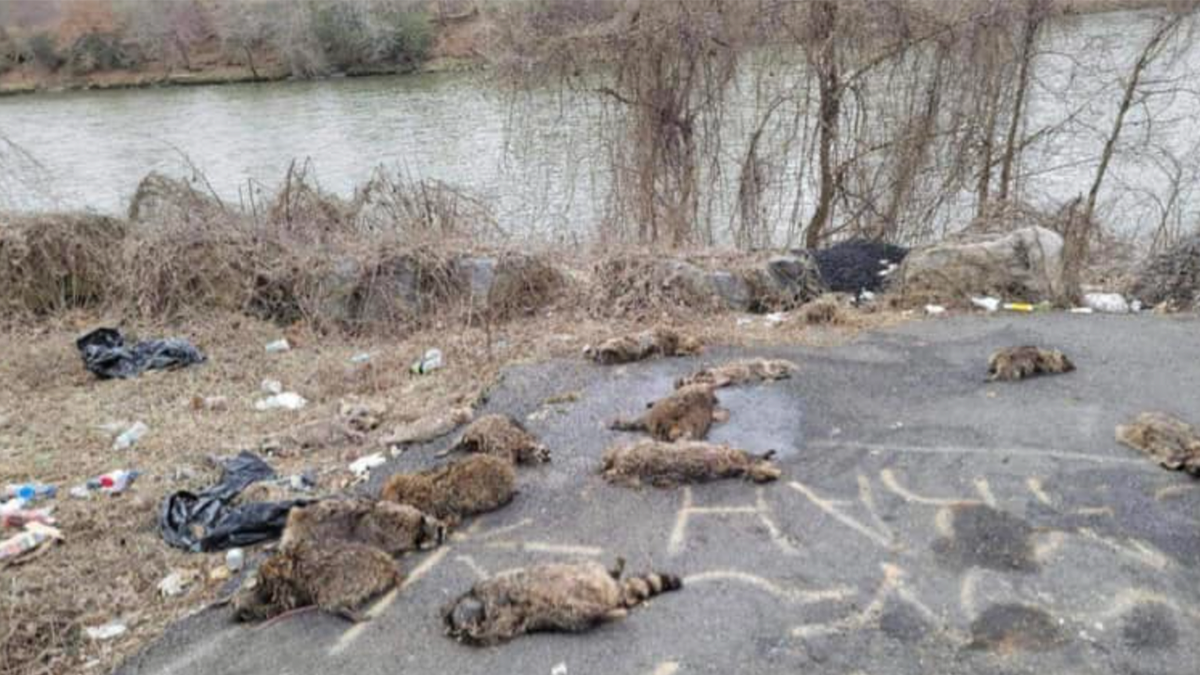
(106, 356)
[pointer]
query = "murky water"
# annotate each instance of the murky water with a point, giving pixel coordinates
(88, 150)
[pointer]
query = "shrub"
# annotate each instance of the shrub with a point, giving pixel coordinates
(43, 50)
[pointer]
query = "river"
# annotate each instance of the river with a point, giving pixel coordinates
(88, 150)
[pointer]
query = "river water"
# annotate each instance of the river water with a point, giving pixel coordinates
(88, 150)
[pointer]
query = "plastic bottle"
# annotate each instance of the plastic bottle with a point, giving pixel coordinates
(29, 491)
(130, 436)
(113, 482)
(428, 363)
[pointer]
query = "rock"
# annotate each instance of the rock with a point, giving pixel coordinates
(733, 290)
(1171, 278)
(392, 291)
(161, 200)
(477, 275)
(785, 282)
(335, 295)
(1025, 265)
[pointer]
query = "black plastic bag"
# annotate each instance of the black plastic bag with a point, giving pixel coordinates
(105, 354)
(854, 266)
(206, 521)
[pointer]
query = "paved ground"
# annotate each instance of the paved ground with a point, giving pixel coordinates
(927, 523)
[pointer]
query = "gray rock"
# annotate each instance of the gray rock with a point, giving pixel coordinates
(392, 292)
(733, 290)
(1025, 265)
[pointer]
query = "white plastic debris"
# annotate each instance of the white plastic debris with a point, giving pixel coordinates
(986, 303)
(431, 361)
(934, 310)
(360, 358)
(560, 669)
(271, 387)
(1082, 310)
(278, 346)
(744, 321)
(775, 319)
(130, 436)
(108, 631)
(362, 466)
(175, 583)
(1108, 303)
(235, 558)
(289, 400)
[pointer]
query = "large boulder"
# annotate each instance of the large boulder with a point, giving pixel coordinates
(1024, 265)
(1171, 278)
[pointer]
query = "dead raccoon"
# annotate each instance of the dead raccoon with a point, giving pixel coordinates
(501, 436)
(427, 429)
(688, 413)
(640, 346)
(1168, 440)
(477, 484)
(339, 579)
(669, 464)
(1018, 363)
(549, 597)
(745, 371)
(393, 528)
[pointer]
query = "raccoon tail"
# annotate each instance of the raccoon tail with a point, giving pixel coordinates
(622, 424)
(636, 590)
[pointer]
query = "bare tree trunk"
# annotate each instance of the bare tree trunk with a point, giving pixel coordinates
(1035, 15)
(1078, 239)
(250, 60)
(830, 108)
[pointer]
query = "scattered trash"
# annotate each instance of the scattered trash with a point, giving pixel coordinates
(108, 631)
(1027, 307)
(214, 403)
(428, 363)
(29, 492)
(113, 482)
(1082, 310)
(362, 466)
(360, 358)
(744, 321)
(35, 535)
(271, 387)
(1108, 303)
(130, 436)
(775, 318)
(220, 573)
(206, 521)
(235, 558)
(934, 310)
(289, 400)
(174, 583)
(105, 355)
(18, 516)
(560, 669)
(986, 303)
(278, 346)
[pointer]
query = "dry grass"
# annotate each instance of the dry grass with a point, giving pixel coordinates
(113, 558)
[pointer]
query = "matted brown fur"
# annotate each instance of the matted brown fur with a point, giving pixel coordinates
(391, 527)
(688, 413)
(549, 597)
(477, 484)
(1168, 440)
(745, 371)
(337, 579)
(501, 436)
(643, 345)
(1017, 363)
(669, 464)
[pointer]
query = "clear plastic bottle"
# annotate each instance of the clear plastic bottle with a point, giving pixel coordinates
(113, 482)
(29, 491)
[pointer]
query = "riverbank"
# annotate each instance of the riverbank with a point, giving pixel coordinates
(457, 44)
